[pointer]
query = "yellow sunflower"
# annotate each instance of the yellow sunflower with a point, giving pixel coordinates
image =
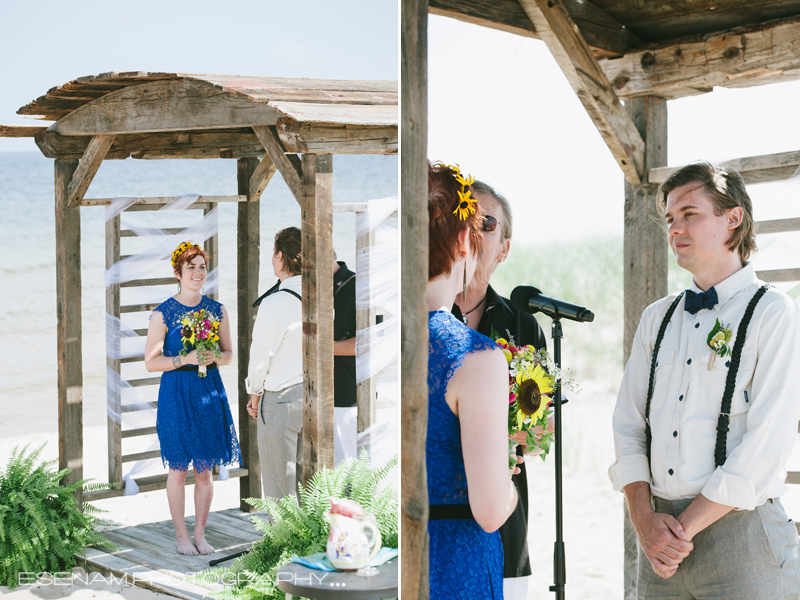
(465, 206)
(533, 384)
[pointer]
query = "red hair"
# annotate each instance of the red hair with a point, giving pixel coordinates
(444, 225)
(188, 256)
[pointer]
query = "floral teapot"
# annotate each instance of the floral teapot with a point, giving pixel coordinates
(348, 547)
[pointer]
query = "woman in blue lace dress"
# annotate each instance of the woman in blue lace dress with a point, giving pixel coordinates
(194, 421)
(469, 484)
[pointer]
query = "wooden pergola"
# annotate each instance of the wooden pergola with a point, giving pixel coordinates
(292, 126)
(632, 51)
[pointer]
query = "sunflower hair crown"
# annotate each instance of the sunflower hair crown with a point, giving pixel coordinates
(466, 203)
(181, 249)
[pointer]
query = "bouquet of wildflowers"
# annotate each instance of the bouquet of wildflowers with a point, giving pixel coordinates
(201, 332)
(532, 377)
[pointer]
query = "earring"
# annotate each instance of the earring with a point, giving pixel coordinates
(179, 287)
(464, 291)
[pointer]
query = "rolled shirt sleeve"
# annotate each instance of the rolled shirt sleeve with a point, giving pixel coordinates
(755, 468)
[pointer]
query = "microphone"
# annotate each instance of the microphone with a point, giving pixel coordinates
(529, 299)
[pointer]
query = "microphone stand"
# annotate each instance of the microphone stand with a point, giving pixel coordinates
(559, 556)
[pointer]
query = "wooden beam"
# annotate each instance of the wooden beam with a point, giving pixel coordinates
(337, 139)
(604, 34)
(645, 260)
(317, 293)
(184, 145)
(68, 327)
(156, 201)
(87, 169)
(414, 308)
(261, 178)
(589, 82)
(742, 57)
(172, 105)
(114, 423)
(248, 253)
(365, 318)
(753, 169)
(779, 275)
(21, 131)
(288, 165)
(778, 226)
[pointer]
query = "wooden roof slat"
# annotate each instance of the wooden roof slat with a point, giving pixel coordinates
(590, 84)
(744, 57)
(753, 169)
(341, 114)
(20, 131)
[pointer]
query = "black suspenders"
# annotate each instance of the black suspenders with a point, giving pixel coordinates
(720, 452)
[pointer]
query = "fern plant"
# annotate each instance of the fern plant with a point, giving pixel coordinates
(41, 524)
(294, 530)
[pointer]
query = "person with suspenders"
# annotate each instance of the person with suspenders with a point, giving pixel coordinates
(275, 372)
(708, 408)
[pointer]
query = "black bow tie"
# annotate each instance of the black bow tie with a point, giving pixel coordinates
(694, 301)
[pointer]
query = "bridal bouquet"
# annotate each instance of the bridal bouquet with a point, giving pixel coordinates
(200, 331)
(532, 379)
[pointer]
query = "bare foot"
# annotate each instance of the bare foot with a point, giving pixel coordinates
(203, 547)
(186, 547)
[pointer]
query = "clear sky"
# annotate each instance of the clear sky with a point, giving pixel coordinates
(51, 42)
(500, 106)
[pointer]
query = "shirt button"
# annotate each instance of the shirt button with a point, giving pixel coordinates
(681, 398)
(727, 363)
(688, 362)
(671, 471)
(696, 325)
(674, 434)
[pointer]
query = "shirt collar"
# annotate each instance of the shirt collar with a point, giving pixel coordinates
(342, 274)
(726, 289)
(292, 283)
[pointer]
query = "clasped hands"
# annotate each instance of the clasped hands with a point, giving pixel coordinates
(199, 358)
(664, 541)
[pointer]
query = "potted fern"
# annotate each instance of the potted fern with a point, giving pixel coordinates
(292, 530)
(41, 525)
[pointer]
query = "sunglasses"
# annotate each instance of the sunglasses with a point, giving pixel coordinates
(489, 223)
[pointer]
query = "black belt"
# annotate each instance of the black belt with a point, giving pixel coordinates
(196, 368)
(440, 512)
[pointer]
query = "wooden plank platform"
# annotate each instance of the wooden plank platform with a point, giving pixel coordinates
(147, 557)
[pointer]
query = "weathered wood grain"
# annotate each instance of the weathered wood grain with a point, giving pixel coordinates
(87, 169)
(743, 57)
(414, 309)
(337, 139)
(261, 177)
(753, 169)
(21, 131)
(248, 256)
(382, 115)
(223, 143)
(154, 202)
(68, 327)
(793, 477)
(365, 318)
(779, 275)
(211, 246)
(645, 257)
(137, 433)
(180, 105)
(114, 398)
(289, 169)
(317, 291)
(589, 83)
(155, 482)
(604, 34)
(778, 226)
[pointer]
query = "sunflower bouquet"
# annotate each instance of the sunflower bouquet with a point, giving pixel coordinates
(200, 331)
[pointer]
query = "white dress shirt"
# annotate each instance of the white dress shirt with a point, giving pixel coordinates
(276, 354)
(687, 399)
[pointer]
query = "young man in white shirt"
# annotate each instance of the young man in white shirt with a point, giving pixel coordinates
(704, 424)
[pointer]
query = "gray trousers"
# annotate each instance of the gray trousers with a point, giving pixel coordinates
(280, 441)
(746, 555)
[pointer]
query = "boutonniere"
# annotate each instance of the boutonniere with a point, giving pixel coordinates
(718, 339)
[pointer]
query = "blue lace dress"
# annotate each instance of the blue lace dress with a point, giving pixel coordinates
(465, 561)
(194, 421)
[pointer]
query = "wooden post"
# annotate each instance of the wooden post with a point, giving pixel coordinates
(365, 318)
(68, 328)
(645, 256)
(212, 247)
(414, 310)
(317, 264)
(248, 248)
(113, 362)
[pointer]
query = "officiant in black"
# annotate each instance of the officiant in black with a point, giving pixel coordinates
(484, 310)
